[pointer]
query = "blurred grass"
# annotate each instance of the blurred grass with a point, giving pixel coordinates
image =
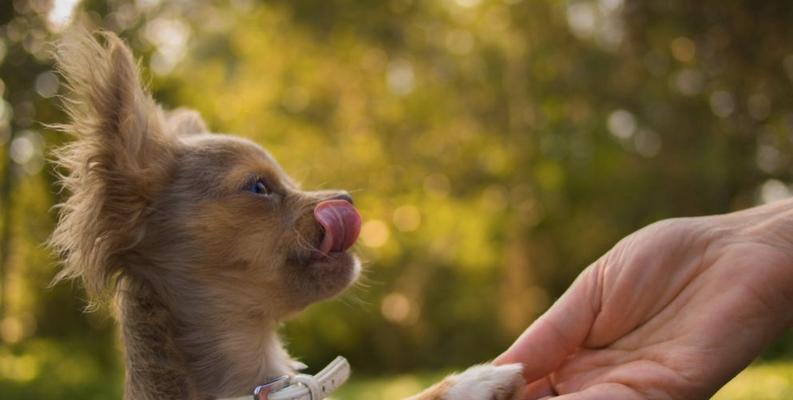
(768, 381)
(62, 368)
(49, 369)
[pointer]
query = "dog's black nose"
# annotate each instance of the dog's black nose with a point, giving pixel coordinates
(343, 196)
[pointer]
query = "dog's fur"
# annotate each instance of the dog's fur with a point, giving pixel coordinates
(201, 270)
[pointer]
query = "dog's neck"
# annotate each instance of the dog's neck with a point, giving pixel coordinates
(173, 358)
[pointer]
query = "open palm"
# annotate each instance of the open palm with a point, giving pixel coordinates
(673, 311)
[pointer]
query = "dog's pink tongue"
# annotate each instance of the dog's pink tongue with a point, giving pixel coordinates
(341, 222)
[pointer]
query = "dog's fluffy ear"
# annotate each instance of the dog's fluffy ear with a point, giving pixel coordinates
(183, 121)
(117, 162)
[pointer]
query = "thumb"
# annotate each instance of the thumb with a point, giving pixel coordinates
(559, 332)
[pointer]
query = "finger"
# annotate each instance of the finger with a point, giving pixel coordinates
(540, 389)
(560, 331)
(605, 391)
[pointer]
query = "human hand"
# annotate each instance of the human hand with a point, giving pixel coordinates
(673, 311)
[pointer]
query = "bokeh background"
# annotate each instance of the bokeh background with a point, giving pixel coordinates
(494, 147)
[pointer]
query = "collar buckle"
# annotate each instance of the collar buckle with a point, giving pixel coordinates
(262, 392)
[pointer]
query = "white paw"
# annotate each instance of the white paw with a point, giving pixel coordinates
(486, 382)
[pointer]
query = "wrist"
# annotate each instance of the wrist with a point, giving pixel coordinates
(763, 235)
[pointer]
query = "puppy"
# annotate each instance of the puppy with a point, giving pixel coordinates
(202, 240)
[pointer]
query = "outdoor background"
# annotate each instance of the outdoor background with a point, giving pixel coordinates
(494, 147)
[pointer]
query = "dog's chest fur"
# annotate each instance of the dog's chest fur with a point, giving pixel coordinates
(168, 357)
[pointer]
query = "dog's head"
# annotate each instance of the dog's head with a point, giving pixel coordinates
(232, 223)
(210, 221)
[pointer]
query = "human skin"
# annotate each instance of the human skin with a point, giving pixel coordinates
(673, 311)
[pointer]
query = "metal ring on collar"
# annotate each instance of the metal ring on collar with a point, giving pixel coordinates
(315, 393)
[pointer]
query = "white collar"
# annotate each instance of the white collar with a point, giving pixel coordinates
(303, 386)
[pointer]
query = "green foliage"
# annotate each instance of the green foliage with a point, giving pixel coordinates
(494, 147)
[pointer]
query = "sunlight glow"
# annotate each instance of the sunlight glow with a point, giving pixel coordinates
(397, 307)
(374, 233)
(773, 190)
(622, 124)
(467, 3)
(61, 13)
(170, 36)
(400, 77)
(598, 21)
(407, 218)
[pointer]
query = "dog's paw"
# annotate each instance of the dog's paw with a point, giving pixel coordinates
(481, 382)
(486, 382)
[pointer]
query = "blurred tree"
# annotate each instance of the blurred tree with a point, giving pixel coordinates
(495, 147)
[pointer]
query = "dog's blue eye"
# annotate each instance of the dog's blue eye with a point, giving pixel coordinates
(259, 187)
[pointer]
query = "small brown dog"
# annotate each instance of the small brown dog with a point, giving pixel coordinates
(202, 239)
